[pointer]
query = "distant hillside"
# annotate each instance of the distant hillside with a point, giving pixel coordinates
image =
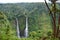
(29, 6)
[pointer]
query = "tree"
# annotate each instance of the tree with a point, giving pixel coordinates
(53, 15)
(58, 29)
(5, 28)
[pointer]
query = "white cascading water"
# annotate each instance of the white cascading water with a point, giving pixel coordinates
(18, 32)
(26, 29)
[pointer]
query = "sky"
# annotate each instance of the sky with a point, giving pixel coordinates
(18, 1)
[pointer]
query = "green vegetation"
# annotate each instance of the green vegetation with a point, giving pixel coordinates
(39, 21)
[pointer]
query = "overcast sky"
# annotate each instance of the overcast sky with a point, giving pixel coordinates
(18, 1)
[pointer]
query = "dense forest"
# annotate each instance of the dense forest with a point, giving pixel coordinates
(26, 21)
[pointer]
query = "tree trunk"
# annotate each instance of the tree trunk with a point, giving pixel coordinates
(17, 25)
(58, 29)
(54, 19)
(53, 15)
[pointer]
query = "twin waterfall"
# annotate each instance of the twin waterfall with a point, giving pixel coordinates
(18, 31)
(26, 28)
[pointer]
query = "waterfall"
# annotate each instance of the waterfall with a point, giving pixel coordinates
(26, 28)
(18, 32)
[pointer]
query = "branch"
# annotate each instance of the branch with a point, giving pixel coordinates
(50, 12)
(48, 7)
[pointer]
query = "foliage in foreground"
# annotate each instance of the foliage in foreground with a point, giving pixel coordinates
(6, 32)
